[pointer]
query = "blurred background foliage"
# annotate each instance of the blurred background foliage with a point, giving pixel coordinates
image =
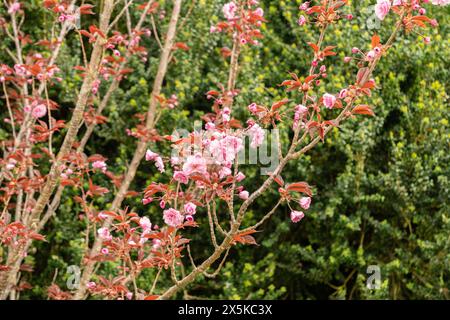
(381, 184)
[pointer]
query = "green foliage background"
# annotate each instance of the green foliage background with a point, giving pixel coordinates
(381, 184)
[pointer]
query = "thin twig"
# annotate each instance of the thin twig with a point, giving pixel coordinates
(215, 273)
(211, 227)
(266, 216)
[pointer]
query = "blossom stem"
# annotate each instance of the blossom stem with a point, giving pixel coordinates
(345, 111)
(226, 243)
(141, 146)
(15, 257)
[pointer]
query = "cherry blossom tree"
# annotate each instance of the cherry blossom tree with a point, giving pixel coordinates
(203, 171)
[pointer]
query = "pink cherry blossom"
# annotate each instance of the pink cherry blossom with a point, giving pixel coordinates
(102, 215)
(240, 176)
(91, 285)
(296, 216)
(101, 165)
(223, 148)
(11, 164)
(104, 234)
(229, 10)
(224, 172)
(371, 55)
(440, 2)
(253, 108)
(146, 201)
(195, 164)
(189, 218)
(343, 93)
(173, 217)
(257, 135)
(95, 86)
(39, 111)
(305, 202)
(104, 251)
(181, 177)
(210, 126)
(382, 8)
(301, 20)
(329, 100)
(174, 160)
(304, 6)
(14, 7)
(150, 155)
(300, 110)
(159, 164)
(156, 243)
(243, 195)
(145, 224)
(226, 114)
(259, 12)
(143, 239)
(20, 70)
(190, 208)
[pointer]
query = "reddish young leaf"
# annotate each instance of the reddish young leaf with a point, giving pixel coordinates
(245, 237)
(96, 157)
(278, 104)
(86, 9)
(375, 41)
(279, 180)
(361, 74)
(314, 46)
(96, 190)
(37, 236)
(301, 187)
(363, 109)
(181, 45)
(93, 30)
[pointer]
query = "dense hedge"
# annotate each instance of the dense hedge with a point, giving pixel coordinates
(382, 184)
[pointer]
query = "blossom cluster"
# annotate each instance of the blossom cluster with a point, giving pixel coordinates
(206, 158)
(383, 7)
(202, 173)
(243, 20)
